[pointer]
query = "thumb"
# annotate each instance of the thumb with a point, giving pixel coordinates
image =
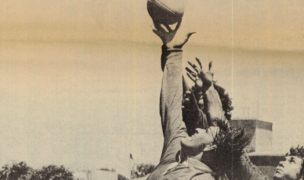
(160, 35)
(185, 40)
(189, 35)
(156, 32)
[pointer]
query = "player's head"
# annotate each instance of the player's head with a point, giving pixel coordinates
(291, 168)
(230, 144)
(202, 140)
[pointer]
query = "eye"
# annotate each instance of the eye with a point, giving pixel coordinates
(291, 160)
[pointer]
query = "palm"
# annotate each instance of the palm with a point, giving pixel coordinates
(199, 77)
(169, 36)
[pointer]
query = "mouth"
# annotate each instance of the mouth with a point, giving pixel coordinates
(193, 136)
(278, 170)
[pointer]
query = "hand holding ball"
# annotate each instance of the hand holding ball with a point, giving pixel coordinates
(166, 11)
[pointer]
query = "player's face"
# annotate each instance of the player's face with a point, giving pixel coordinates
(201, 138)
(289, 168)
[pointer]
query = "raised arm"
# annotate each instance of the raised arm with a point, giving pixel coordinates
(172, 90)
(171, 96)
(211, 99)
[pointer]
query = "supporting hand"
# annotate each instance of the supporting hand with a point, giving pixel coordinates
(165, 35)
(169, 37)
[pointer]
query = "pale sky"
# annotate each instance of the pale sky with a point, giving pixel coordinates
(80, 80)
(270, 24)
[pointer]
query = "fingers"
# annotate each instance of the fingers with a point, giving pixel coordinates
(159, 28)
(178, 25)
(160, 32)
(209, 74)
(191, 72)
(188, 36)
(185, 40)
(191, 77)
(157, 25)
(199, 62)
(160, 35)
(195, 77)
(193, 66)
(168, 27)
(210, 65)
(157, 33)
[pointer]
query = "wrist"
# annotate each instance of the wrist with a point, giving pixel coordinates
(169, 47)
(171, 55)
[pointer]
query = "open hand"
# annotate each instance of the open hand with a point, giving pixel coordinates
(199, 77)
(208, 97)
(165, 35)
(168, 35)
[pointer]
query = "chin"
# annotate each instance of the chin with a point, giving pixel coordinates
(277, 176)
(184, 142)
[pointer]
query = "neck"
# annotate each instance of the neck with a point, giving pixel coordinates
(197, 157)
(185, 155)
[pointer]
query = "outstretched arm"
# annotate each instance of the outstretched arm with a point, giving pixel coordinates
(172, 90)
(243, 168)
(212, 99)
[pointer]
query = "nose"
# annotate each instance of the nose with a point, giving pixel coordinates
(281, 164)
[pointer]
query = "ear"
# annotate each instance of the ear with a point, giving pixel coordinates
(210, 147)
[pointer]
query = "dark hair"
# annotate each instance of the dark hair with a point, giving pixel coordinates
(299, 152)
(230, 145)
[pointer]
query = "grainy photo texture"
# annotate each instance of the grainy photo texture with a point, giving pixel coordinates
(151, 89)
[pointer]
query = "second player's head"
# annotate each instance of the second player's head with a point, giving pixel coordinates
(291, 168)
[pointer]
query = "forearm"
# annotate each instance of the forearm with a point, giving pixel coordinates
(172, 89)
(243, 168)
(193, 116)
(213, 107)
(171, 103)
(171, 55)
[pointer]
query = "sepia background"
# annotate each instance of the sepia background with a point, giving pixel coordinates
(80, 80)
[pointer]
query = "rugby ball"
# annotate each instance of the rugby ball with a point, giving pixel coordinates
(166, 11)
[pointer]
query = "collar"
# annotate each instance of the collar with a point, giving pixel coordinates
(189, 163)
(198, 165)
